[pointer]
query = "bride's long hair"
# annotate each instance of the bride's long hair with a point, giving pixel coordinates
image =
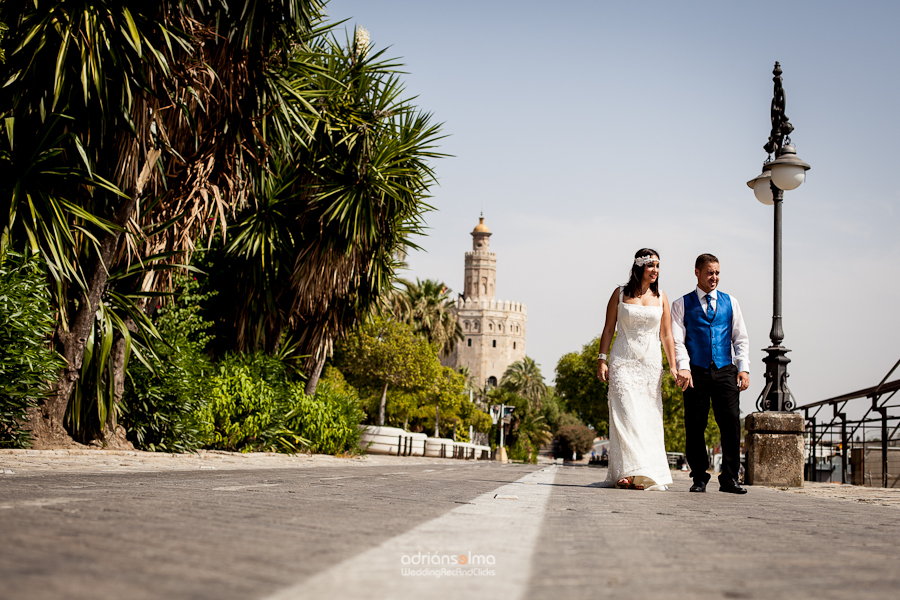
(633, 287)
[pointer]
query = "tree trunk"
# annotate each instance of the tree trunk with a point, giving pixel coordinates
(437, 419)
(382, 406)
(313, 382)
(48, 428)
(113, 435)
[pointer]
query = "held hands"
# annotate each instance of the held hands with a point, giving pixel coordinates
(683, 379)
(743, 381)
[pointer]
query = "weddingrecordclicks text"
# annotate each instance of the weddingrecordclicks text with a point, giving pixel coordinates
(450, 565)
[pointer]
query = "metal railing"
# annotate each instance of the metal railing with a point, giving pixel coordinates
(880, 414)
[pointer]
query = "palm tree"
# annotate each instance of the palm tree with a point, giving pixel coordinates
(426, 305)
(524, 377)
(535, 429)
(133, 130)
(319, 252)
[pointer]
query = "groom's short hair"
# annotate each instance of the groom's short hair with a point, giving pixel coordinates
(703, 260)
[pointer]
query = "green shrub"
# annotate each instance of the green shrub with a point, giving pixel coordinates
(523, 450)
(27, 363)
(329, 421)
(162, 408)
(575, 438)
(254, 406)
(248, 401)
(245, 402)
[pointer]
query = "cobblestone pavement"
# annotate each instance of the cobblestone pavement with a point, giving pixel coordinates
(90, 524)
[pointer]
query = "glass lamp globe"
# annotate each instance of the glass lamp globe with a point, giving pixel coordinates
(761, 188)
(788, 171)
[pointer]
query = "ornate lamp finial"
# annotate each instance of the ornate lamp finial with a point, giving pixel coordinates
(781, 126)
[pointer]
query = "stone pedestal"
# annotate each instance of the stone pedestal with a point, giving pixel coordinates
(774, 449)
(500, 455)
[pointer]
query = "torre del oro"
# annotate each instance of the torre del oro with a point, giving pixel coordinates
(494, 329)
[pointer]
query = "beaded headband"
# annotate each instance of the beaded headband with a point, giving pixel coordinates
(645, 260)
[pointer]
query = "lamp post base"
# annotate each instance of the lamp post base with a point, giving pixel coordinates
(776, 396)
(774, 449)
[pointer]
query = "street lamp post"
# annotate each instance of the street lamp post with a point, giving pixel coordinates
(776, 431)
(786, 172)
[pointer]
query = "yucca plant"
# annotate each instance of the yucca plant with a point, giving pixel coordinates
(319, 250)
(133, 129)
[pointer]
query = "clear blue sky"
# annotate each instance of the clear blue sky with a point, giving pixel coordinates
(587, 130)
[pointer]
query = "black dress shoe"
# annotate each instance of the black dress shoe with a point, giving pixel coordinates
(699, 486)
(732, 488)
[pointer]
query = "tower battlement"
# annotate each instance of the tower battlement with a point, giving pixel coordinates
(491, 304)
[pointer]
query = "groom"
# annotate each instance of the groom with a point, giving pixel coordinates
(707, 324)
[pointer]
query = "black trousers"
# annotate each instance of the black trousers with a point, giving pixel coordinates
(719, 388)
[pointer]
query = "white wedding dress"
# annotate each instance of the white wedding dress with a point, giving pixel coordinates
(637, 445)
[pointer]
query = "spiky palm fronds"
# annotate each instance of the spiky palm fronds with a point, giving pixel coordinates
(148, 121)
(535, 429)
(426, 305)
(3, 30)
(524, 377)
(320, 249)
(204, 82)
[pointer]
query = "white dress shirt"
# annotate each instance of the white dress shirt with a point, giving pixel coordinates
(739, 340)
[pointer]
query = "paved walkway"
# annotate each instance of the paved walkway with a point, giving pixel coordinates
(124, 461)
(89, 524)
(769, 544)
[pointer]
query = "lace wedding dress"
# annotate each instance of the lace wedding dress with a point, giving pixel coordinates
(637, 448)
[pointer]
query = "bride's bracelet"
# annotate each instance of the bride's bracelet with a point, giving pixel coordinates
(603, 357)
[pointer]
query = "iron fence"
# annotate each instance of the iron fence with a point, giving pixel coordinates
(872, 462)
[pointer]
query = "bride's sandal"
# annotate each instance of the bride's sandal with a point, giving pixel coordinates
(640, 482)
(629, 483)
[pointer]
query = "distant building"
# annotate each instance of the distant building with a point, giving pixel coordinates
(494, 329)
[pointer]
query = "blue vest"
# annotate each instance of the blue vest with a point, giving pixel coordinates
(708, 342)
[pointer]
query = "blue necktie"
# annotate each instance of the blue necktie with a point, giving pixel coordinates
(710, 313)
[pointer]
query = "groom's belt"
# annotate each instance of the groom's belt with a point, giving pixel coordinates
(711, 367)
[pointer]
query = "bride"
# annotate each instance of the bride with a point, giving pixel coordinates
(640, 313)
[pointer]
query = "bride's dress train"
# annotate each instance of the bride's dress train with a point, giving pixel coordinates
(637, 446)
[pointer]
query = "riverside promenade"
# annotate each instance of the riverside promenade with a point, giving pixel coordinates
(91, 524)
